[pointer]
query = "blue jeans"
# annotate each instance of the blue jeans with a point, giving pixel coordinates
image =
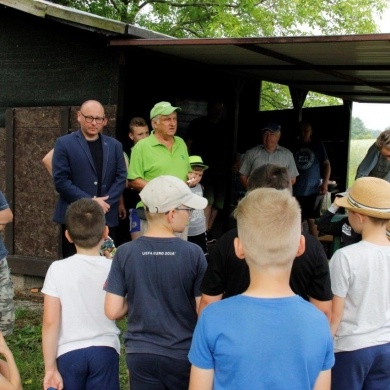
(156, 372)
(362, 369)
(90, 368)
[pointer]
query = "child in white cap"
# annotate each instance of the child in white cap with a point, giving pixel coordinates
(156, 280)
(360, 275)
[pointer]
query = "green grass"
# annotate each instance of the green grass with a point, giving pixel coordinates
(357, 150)
(25, 343)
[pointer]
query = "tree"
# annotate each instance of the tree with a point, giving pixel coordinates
(359, 129)
(239, 18)
(277, 97)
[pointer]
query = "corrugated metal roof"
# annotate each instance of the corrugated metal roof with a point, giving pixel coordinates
(80, 19)
(352, 67)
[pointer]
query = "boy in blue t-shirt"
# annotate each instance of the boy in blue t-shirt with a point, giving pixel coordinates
(267, 337)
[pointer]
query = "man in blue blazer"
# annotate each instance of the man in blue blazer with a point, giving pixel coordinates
(88, 164)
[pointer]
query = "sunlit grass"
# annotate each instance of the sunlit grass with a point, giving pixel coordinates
(357, 150)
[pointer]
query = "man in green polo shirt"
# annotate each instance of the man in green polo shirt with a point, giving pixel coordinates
(162, 153)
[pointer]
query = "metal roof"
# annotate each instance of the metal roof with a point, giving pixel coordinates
(80, 19)
(351, 67)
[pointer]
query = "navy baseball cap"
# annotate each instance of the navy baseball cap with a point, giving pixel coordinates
(272, 127)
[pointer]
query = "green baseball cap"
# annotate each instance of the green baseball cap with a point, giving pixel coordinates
(163, 108)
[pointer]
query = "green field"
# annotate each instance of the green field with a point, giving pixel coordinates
(357, 150)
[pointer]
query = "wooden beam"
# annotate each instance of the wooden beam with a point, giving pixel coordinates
(25, 265)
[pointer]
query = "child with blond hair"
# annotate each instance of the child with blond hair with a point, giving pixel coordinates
(267, 337)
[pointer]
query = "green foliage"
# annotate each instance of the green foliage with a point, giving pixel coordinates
(277, 97)
(240, 18)
(26, 346)
(314, 99)
(359, 130)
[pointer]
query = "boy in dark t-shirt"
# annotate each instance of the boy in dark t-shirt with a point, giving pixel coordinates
(156, 279)
(227, 275)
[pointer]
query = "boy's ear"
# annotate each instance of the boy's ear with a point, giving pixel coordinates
(302, 246)
(68, 236)
(239, 249)
(361, 218)
(169, 215)
(105, 232)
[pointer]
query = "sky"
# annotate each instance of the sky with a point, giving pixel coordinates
(375, 116)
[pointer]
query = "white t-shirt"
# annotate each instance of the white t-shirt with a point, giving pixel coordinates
(197, 223)
(360, 273)
(78, 282)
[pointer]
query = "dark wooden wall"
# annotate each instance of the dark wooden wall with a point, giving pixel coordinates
(46, 63)
(33, 240)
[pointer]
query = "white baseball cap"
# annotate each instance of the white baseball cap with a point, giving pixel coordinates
(165, 193)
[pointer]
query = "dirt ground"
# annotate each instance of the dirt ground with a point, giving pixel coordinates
(30, 298)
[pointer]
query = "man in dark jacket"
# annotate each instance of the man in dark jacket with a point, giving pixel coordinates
(88, 164)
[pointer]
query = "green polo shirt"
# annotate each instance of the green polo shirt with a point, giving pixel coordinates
(150, 159)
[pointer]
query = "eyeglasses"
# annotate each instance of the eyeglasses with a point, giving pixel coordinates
(89, 119)
(190, 211)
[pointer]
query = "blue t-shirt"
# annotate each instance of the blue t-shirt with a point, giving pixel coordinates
(309, 159)
(3, 206)
(161, 278)
(262, 343)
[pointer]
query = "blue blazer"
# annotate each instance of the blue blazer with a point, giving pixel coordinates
(75, 176)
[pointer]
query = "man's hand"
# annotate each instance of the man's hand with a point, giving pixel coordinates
(101, 200)
(324, 188)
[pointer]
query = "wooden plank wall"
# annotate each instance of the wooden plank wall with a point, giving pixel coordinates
(34, 241)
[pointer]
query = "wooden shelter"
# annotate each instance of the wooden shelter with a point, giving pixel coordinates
(53, 58)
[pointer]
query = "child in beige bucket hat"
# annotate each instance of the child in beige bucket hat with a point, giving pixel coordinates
(368, 196)
(360, 277)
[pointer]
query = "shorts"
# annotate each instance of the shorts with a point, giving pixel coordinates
(134, 221)
(7, 305)
(155, 372)
(95, 367)
(310, 205)
(365, 368)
